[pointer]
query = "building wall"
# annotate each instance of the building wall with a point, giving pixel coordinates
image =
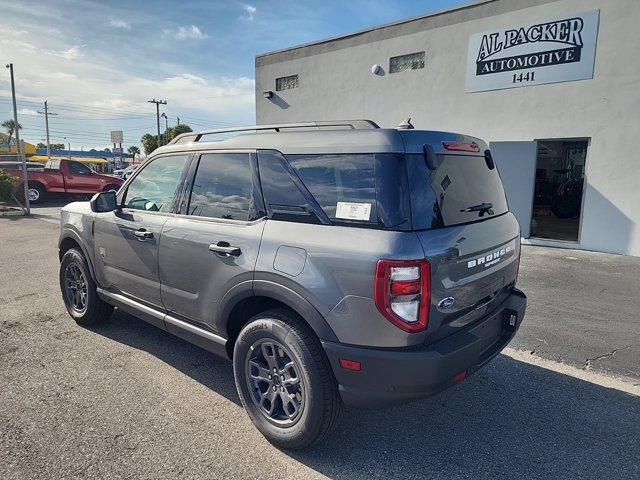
(336, 83)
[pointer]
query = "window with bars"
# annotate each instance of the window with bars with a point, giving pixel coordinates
(411, 61)
(286, 83)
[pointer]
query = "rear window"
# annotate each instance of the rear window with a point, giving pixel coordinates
(359, 189)
(462, 189)
(343, 185)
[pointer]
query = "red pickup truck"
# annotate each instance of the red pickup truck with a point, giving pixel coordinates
(64, 176)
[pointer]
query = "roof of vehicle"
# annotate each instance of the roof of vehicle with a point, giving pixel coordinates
(351, 136)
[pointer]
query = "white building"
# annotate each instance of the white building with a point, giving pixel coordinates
(553, 84)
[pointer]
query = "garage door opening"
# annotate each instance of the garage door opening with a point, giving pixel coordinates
(558, 190)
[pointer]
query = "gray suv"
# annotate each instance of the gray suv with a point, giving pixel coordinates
(334, 262)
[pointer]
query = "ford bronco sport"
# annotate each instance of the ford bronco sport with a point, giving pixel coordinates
(333, 262)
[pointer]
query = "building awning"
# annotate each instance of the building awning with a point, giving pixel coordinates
(29, 149)
(87, 160)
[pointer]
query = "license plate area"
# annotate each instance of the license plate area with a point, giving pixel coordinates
(510, 320)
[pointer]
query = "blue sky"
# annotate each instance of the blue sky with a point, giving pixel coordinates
(98, 63)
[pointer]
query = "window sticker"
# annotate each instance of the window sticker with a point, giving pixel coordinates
(353, 211)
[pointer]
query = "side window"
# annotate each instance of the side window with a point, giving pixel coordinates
(223, 187)
(283, 197)
(79, 169)
(343, 185)
(52, 165)
(154, 187)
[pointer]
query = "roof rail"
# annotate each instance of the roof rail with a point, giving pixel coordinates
(351, 124)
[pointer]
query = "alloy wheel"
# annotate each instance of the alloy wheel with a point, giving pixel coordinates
(75, 286)
(274, 383)
(34, 194)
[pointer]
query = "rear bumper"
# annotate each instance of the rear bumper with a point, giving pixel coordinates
(393, 376)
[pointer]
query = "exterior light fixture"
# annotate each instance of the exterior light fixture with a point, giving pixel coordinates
(267, 94)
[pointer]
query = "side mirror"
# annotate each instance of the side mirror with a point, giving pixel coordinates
(104, 202)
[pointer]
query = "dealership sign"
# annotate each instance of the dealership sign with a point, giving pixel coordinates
(557, 50)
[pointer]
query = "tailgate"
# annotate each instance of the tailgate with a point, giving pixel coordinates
(473, 268)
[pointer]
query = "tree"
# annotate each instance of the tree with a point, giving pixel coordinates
(133, 151)
(10, 126)
(57, 146)
(180, 129)
(41, 145)
(149, 143)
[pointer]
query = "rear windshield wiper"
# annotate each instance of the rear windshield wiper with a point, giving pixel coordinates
(482, 209)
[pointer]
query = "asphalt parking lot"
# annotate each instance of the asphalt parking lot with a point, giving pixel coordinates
(126, 400)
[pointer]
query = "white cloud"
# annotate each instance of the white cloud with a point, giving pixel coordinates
(249, 11)
(72, 53)
(188, 33)
(75, 73)
(117, 23)
(27, 111)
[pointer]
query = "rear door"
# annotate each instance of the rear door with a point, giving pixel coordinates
(212, 245)
(470, 239)
(126, 240)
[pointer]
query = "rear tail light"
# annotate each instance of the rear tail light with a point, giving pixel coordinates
(461, 147)
(402, 292)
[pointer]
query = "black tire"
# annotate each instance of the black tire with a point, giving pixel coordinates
(319, 405)
(92, 310)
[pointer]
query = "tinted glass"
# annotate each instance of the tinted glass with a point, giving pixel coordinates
(223, 187)
(78, 168)
(284, 199)
(343, 185)
(445, 196)
(154, 187)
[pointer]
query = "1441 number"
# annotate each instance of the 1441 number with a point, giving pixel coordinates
(524, 77)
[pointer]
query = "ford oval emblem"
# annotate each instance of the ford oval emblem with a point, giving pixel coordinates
(446, 302)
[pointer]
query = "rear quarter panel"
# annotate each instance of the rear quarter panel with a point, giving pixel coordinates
(51, 179)
(333, 267)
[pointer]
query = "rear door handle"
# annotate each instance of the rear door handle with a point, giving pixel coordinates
(143, 234)
(224, 247)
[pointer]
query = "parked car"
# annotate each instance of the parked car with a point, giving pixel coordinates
(64, 176)
(124, 173)
(334, 263)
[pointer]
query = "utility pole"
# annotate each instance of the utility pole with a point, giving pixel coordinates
(158, 103)
(178, 118)
(46, 114)
(19, 146)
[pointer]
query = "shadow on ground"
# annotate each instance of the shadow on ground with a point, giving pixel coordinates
(510, 420)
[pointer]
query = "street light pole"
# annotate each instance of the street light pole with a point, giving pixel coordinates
(166, 127)
(158, 103)
(19, 147)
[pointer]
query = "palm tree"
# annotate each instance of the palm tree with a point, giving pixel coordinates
(11, 127)
(133, 151)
